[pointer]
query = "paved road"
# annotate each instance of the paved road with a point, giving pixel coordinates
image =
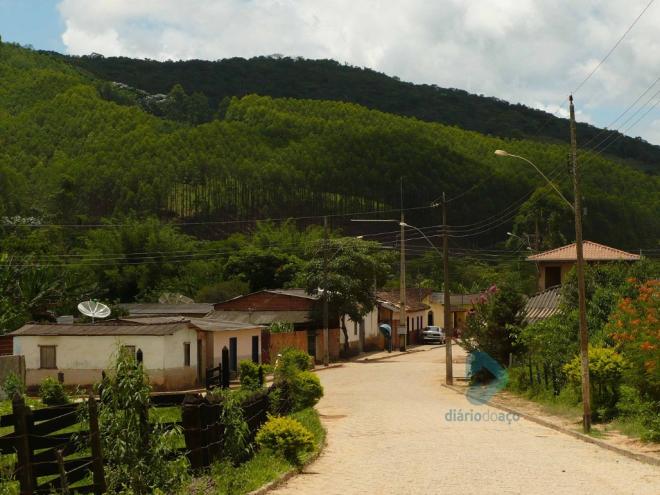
(388, 434)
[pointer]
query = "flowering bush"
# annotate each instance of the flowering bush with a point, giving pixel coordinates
(635, 330)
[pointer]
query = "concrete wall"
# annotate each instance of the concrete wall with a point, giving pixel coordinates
(565, 268)
(83, 358)
(244, 344)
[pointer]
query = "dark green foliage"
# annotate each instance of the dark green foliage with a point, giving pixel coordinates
(136, 453)
(221, 291)
(307, 390)
(296, 359)
(631, 405)
(249, 375)
(236, 446)
(52, 392)
(287, 437)
(13, 385)
(329, 80)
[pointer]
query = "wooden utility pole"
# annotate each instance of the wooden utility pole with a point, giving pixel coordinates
(448, 323)
(402, 330)
(584, 333)
(326, 331)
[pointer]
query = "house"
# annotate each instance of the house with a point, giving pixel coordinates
(176, 351)
(459, 306)
(79, 353)
(554, 265)
(542, 305)
(416, 311)
(294, 306)
(192, 310)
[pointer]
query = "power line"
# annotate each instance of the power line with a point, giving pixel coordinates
(613, 48)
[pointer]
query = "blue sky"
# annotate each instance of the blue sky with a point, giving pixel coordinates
(32, 22)
(524, 51)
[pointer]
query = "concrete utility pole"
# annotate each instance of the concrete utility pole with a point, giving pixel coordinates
(402, 329)
(326, 339)
(584, 333)
(449, 327)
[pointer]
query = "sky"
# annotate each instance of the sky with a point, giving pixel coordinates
(524, 51)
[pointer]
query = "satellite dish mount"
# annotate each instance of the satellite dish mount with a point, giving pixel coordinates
(94, 309)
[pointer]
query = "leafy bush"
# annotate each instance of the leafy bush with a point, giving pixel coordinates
(136, 453)
(236, 431)
(13, 384)
(306, 390)
(280, 327)
(606, 368)
(295, 358)
(249, 375)
(52, 392)
(631, 405)
(287, 437)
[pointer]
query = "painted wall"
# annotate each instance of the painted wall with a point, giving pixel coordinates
(83, 358)
(243, 344)
(565, 268)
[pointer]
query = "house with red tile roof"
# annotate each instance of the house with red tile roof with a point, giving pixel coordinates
(554, 265)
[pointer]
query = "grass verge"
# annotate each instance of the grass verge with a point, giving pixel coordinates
(263, 468)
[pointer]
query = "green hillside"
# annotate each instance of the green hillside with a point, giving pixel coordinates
(67, 155)
(329, 80)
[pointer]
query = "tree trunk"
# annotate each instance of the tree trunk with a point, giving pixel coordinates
(345, 332)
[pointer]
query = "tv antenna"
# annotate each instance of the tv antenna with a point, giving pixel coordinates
(94, 309)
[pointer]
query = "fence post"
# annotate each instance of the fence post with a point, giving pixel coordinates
(22, 423)
(64, 484)
(261, 376)
(192, 430)
(95, 444)
(225, 368)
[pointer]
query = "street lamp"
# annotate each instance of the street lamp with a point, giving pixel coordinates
(524, 240)
(584, 335)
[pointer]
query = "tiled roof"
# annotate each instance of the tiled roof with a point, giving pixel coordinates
(41, 329)
(216, 325)
(592, 252)
(294, 293)
(542, 305)
(414, 298)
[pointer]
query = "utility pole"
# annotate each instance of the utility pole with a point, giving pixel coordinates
(403, 327)
(326, 339)
(584, 334)
(449, 327)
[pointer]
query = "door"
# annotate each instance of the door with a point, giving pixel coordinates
(255, 349)
(233, 354)
(200, 363)
(552, 276)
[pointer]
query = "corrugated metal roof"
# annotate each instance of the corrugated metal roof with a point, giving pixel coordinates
(454, 299)
(154, 320)
(295, 293)
(34, 329)
(592, 252)
(216, 325)
(261, 317)
(137, 309)
(542, 305)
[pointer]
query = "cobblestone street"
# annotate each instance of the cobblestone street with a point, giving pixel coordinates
(388, 433)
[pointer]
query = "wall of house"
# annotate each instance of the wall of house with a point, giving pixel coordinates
(243, 343)
(83, 358)
(267, 301)
(565, 268)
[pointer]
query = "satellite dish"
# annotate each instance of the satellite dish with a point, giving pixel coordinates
(94, 309)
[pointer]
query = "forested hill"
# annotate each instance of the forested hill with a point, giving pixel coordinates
(330, 80)
(68, 155)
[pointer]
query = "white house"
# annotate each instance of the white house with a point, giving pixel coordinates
(169, 351)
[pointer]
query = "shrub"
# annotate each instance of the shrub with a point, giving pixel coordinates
(13, 384)
(606, 369)
(287, 437)
(281, 327)
(306, 390)
(236, 447)
(631, 405)
(296, 358)
(52, 392)
(249, 375)
(136, 453)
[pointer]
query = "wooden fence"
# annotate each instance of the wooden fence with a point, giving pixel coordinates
(49, 460)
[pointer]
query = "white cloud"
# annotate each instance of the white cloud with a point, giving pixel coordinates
(529, 51)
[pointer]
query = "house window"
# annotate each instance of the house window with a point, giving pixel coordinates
(552, 276)
(186, 353)
(47, 357)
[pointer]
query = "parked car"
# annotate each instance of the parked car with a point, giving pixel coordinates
(433, 335)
